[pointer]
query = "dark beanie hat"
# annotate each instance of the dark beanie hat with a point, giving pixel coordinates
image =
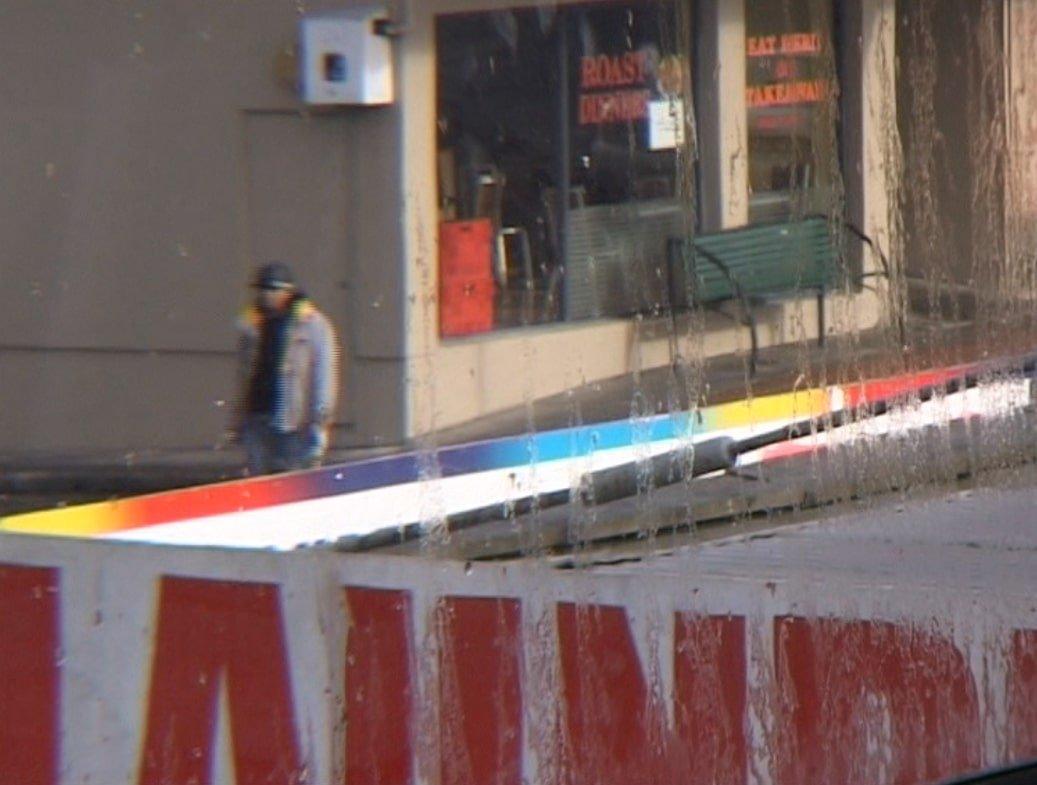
(274, 275)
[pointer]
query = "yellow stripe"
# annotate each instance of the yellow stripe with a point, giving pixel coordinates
(797, 405)
(82, 521)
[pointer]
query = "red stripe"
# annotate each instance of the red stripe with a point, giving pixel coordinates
(900, 386)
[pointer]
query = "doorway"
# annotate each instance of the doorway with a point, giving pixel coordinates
(296, 212)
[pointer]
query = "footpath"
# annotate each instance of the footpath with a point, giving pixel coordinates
(44, 481)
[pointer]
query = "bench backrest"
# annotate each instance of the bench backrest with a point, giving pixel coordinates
(764, 260)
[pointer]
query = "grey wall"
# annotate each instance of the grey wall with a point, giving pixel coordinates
(151, 154)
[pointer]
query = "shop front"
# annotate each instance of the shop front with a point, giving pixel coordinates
(569, 148)
(594, 100)
(558, 131)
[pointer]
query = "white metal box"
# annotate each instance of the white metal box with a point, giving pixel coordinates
(345, 59)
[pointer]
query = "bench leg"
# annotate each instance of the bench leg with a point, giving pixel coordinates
(821, 317)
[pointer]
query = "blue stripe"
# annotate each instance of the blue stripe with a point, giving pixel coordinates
(508, 452)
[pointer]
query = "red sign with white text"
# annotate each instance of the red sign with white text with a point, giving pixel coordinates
(314, 668)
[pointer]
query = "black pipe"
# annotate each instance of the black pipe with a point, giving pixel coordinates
(594, 488)
(629, 479)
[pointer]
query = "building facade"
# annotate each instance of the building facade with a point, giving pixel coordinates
(497, 233)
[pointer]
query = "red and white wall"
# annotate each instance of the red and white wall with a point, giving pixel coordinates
(147, 664)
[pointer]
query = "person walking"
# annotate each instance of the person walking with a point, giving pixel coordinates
(288, 359)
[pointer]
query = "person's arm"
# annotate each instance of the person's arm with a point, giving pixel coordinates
(247, 336)
(323, 379)
(325, 393)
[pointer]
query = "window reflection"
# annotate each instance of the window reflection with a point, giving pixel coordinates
(789, 84)
(582, 100)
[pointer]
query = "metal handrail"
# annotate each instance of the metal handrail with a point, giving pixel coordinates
(860, 235)
(887, 268)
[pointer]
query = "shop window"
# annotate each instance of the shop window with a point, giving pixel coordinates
(556, 126)
(791, 107)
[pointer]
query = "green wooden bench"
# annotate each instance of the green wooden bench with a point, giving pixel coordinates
(757, 264)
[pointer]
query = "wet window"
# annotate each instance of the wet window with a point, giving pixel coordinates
(789, 88)
(558, 131)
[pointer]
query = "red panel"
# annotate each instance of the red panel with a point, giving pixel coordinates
(466, 306)
(616, 730)
(1022, 696)
(465, 249)
(480, 671)
(466, 288)
(862, 701)
(29, 676)
(710, 696)
(209, 632)
(379, 688)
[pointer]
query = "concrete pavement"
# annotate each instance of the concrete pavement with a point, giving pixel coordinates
(35, 481)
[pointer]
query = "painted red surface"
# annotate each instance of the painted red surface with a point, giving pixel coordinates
(863, 701)
(1022, 696)
(379, 688)
(212, 636)
(480, 690)
(710, 696)
(615, 724)
(827, 699)
(29, 676)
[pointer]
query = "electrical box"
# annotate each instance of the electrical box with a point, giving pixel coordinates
(345, 58)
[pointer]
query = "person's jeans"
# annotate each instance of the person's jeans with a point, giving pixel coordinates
(269, 450)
